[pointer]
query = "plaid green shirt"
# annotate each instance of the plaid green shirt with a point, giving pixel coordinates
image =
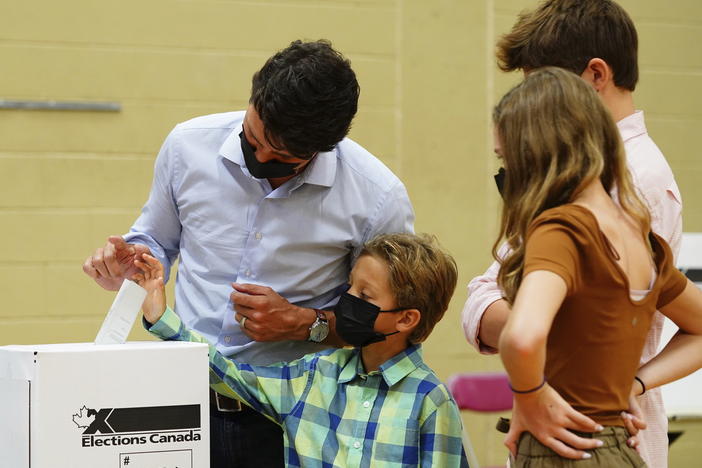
(334, 414)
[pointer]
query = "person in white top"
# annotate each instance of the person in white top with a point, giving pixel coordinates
(597, 40)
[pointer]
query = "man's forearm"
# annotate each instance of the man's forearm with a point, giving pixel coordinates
(492, 323)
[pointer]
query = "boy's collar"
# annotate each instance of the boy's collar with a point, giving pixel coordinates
(393, 370)
(632, 125)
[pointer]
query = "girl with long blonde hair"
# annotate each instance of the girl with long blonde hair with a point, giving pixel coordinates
(584, 276)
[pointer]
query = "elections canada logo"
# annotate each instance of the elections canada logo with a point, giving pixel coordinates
(138, 425)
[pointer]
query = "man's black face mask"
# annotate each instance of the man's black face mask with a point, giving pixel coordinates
(500, 181)
(269, 170)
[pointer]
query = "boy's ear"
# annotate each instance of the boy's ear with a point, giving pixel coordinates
(598, 74)
(408, 320)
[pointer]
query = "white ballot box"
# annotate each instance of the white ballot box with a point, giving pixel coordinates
(82, 405)
(682, 397)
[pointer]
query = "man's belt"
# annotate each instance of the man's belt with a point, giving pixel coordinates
(224, 404)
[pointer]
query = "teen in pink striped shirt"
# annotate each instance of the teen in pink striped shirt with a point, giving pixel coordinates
(597, 40)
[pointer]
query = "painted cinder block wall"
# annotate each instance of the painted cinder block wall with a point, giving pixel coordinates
(428, 79)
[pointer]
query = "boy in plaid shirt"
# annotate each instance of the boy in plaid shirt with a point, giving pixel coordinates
(376, 404)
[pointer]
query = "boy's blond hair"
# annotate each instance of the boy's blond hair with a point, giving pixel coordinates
(422, 275)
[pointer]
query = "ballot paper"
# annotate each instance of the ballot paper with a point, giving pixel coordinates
(122, 314)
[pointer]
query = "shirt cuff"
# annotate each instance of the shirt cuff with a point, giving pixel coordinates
(167, 328)
(473, 312)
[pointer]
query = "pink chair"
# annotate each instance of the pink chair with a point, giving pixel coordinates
(484, 392)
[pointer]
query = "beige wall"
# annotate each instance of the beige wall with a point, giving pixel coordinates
(426, 68)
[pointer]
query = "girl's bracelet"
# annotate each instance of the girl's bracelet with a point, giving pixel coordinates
(531, 390)
(643, 386)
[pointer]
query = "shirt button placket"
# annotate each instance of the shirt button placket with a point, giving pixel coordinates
(368, 395)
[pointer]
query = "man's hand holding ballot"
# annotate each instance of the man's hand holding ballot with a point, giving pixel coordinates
(114, 262)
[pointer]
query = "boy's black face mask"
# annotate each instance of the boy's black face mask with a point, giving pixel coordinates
(269, 170)
(500, 181)
(355, 320)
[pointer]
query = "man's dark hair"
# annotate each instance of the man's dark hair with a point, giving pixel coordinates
(306, 96)
(568, 34)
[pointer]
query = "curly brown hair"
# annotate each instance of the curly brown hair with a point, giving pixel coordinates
(556, 137)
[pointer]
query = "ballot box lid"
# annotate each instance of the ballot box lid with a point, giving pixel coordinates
(89, 347)
(17, 361)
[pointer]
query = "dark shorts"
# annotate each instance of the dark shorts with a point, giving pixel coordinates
(615, 453)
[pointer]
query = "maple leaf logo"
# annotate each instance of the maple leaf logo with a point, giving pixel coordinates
(82, 419)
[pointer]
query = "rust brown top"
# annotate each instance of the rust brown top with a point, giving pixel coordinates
(598, 334)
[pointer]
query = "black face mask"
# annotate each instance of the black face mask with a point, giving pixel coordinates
(269, 170)
(355, 320)
(500, 181)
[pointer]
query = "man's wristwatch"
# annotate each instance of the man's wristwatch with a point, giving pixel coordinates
(319, 329)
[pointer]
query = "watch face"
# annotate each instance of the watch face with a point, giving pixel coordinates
(319, 331)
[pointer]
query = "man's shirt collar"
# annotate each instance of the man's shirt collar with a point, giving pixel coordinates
(320, 171)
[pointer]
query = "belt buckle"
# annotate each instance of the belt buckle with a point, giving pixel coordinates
(227, 405)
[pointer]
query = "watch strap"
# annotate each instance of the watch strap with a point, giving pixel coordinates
(320, 316)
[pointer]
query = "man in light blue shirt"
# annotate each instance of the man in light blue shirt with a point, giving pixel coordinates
(266, 210)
